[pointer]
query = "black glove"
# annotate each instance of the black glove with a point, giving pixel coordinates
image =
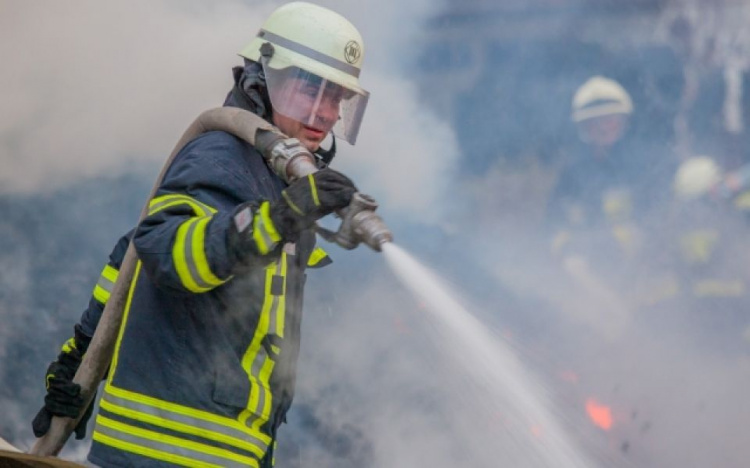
(309, 199)
(63, 396)
(258, 229)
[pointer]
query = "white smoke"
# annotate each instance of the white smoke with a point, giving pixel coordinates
(91, 88)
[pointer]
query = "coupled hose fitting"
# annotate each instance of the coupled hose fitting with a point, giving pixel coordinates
(286, 156)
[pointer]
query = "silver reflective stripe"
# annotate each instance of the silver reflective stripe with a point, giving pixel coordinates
(204, 425)
(263, 231)
(180, 199)
(310, 53)
(262, 355)
(105, 284)
(260, 359)
(189, 260)
(168, 448)
(273, 319)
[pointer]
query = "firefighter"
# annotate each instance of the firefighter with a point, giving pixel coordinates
(708, 250)
(204, 366)
(611, 178)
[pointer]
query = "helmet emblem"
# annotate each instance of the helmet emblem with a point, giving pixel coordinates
(352, 51)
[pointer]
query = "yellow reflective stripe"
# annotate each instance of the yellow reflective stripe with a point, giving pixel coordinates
(166, 201)
(181, 410)
(151, 453)
(281, 308)
(185, 427)
(125, 314)
(718, 288)
(199, 255)
(264, 232)
(257, 364)
(69, 345)
(316, 256)
(111, 273)
(291, 204)
(255, 346)
(742, 201)
(276, 314)
(189, 256)
(265, 376)
(313, 189)
(180, 262)
(698, 246)
(151, 440)
(100, 294)
(105, 284)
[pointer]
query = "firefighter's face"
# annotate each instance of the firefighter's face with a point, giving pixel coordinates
(603, 131)
(320, 108)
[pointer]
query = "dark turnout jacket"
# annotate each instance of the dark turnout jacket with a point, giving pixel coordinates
(205, 362)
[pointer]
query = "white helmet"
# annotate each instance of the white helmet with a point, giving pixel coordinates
(695, 177)
(598, 97)
(320, 53)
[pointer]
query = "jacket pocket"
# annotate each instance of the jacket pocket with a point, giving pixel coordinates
(231, 386)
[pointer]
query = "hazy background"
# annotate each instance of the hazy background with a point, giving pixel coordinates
(462, 142)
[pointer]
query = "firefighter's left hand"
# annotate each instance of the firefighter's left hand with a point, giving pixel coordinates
(63, 396)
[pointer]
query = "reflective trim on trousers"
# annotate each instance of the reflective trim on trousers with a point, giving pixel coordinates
(180, 418)
(165, 447)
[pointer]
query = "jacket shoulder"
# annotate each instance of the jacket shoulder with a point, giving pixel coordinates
(218, 167)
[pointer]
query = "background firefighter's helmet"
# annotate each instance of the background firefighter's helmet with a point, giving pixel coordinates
(696, 177)
(320, 48)
(600, 96)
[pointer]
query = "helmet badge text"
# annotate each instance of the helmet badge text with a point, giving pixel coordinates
(352, 51)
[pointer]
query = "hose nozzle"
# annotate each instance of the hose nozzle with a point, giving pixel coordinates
(359, 224)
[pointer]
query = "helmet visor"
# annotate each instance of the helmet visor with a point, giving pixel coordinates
(316, 102)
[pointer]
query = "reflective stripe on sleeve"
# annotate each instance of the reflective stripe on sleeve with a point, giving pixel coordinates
(189, 256)
(318, 257)
(166, 201)
(69, 345)
(264, 232)
(105, 284)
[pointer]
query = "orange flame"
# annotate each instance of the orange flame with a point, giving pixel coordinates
(600, 414)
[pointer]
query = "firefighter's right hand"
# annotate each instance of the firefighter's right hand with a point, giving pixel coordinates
(63, 396)
(310, 198)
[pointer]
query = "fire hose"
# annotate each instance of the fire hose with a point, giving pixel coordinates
(290, 161)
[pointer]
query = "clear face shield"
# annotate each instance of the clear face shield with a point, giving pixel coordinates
(316, 102)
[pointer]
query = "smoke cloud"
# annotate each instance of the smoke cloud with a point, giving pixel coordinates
(93, 88)
(96, 92)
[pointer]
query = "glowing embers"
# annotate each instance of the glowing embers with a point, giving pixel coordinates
(600, 414)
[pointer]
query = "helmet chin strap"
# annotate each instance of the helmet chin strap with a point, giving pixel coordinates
(324, 157)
